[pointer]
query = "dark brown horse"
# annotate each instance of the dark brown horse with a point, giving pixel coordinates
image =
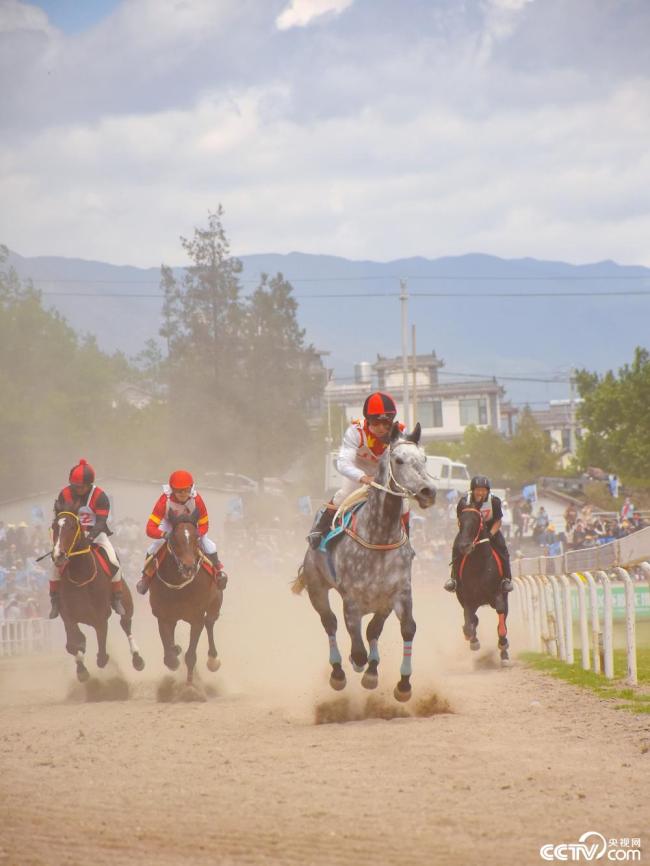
(85, 594)
(480, 576)
(183, 588)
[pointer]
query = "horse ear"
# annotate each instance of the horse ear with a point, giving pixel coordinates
(415, 435)
(395, 433)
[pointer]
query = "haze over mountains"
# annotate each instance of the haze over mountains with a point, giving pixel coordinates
(528, 336)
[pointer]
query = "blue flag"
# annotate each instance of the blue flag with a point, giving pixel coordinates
(235, 508)
(530, 492)
(304, 505)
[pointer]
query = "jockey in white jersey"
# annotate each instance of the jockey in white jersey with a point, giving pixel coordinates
(362, 448)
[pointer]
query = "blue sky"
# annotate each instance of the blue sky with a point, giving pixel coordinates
(74, 16)
(365, 128)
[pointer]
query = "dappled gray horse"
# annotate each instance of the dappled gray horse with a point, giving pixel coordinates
(372, 564)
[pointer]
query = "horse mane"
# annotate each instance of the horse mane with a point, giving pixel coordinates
(177, 519)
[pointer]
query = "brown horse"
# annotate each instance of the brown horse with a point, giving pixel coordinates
(85, 594)
(184, 588)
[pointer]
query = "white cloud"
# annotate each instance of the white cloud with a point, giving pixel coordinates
(300, 13)
(16, 16)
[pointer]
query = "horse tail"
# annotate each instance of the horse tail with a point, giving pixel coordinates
(298, 584)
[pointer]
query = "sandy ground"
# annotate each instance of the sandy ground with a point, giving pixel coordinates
(246, 776)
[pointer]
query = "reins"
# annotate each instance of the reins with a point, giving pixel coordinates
(71, 552)
(181, 570)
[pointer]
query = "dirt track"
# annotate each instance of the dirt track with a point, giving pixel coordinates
(247, 777)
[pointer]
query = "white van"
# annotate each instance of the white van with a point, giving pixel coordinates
(447, 474)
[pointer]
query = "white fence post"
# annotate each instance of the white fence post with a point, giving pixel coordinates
(608, 637)
(630, 626)
(584, 629)
(535, 624)
(546, 636)
(595, 621)
(568, 618)
(559, 616)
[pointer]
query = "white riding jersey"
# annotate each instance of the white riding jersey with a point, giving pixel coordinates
(357, 456)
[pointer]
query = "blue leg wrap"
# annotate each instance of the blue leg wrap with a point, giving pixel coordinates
(373, 655)
(405, 669)
(335, 655)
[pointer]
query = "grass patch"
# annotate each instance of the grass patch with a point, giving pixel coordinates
(636, 700)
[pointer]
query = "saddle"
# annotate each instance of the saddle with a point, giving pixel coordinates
(328, 543)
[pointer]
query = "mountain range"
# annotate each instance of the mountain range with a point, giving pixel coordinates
(351, 309)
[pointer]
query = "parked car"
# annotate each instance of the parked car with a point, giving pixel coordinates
(231, 482)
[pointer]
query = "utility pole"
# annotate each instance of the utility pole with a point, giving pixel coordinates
(404, 299)
(415, 374)
(572, 411)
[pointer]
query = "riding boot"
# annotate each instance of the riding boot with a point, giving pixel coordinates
(322, 525)
(506, 583)
(499, 544)
(220, 576)
(54, 600)
(142, 586)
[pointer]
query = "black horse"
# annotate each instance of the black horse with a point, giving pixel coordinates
(480, 576)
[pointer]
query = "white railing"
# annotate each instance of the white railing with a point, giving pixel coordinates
(25, 636)
(546, 606)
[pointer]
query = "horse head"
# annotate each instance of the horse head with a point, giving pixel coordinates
(183, 542)
(66, 536)
(407, 466)
(471, 529)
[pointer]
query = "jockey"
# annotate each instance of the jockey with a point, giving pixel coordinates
(179, 497)
(89, 502)
(362, 448)
(479, 496)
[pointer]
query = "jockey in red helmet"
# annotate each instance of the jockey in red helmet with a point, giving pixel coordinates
(179, 497)
(364, 443)
(92, 507)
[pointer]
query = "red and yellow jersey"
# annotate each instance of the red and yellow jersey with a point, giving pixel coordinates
(167, 504)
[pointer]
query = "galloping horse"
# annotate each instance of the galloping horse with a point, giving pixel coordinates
(370, 565)
(85, 594)
(184, 588)
(479, 579)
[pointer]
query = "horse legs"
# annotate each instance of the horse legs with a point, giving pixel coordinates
(125, 624)
(469, 628)
(211, 616)
(167, 630)
(502, 629)
(76, 646)
(190, 656)
(319, 597)
(358, 654)
(404, 612)
(375, 627)
(101, 629)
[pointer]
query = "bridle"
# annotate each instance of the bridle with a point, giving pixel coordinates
(402, 492)
(189, 572)
(70, 552)
(481, 526)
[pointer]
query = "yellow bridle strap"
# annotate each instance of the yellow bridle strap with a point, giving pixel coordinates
(70, 552)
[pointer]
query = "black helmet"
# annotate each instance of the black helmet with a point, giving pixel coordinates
(479, 481)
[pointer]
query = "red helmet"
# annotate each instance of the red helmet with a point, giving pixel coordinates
(180, 479)
(82, 473)
(379, 407)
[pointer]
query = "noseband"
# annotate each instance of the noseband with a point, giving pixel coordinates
(481, 526)
(401, 491)
(70, 552)
(189, 572)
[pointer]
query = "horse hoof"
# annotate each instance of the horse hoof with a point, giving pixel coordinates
(338, 685)
(369, 681)
(82, 673)
(402, 696)
(213, 663)
(172, 662)
(138, 661)
(506, 663)
(475, 645)
(102, 661)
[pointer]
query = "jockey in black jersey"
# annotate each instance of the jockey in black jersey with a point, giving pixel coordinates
(489, 505)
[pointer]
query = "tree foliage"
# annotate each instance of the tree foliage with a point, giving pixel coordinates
(615, 412)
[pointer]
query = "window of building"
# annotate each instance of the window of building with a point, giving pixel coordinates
(430, 413)
(473, 411)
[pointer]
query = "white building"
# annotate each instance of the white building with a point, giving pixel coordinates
(556, 422)
(443, 410)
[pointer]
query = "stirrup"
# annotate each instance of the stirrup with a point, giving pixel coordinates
(451, 584)
(142, 586)
(506, 585)
(314, 539)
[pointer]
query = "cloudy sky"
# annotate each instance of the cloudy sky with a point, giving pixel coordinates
(365, 128)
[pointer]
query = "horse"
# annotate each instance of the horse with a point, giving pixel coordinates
(85, 594)
(479, 580)
(370, 565)
(184, 588)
